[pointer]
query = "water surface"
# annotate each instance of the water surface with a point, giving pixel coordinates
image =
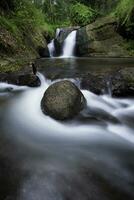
(87, 158)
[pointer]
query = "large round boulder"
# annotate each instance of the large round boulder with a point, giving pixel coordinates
(62, 100)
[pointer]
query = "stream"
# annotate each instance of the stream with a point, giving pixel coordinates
(89, 157)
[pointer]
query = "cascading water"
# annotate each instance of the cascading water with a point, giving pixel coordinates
(69, 45)
(105, 108)
(57, 32)
(59, 160)
(51, 48)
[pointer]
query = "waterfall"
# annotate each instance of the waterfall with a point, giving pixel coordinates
(57, 32)
(51, 48)
(69, 45)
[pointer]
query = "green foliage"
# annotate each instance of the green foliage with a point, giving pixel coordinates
(81, 14)
(23, 28)
(28, 17)
(129, 45)
(8, 24)
(125, 16)
(56, 13)
(125, 11)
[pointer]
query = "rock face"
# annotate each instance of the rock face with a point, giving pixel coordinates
(100, 39)
(62, 100)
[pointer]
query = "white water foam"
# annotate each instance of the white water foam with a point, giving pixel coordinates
(25, 111)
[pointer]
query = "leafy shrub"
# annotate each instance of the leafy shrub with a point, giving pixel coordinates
(125, 11)
(28, 16)
(125, 16)
(81, 14)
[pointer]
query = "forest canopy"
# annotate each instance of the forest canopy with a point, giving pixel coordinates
(55, 13)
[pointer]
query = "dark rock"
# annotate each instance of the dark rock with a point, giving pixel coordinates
(119, 83)
(97, 84)
(43, 52)
(29, 80)
(100, 39)
(20, 79)
(122, 83)
(58, 48)
(62, 100)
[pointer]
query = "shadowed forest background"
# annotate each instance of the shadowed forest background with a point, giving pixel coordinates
(25, 25)
(66, 99)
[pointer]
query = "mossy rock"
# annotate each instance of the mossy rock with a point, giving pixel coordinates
(62, 100)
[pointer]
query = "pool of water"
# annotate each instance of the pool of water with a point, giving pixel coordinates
(89, 157)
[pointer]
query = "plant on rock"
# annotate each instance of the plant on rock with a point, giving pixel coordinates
(81, 14)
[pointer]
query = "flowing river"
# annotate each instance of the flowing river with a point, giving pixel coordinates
(88, 158)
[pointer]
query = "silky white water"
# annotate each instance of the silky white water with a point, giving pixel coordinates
(57, 32)
(69, 45)
(51, 48)
(60, 160)
(112, 114)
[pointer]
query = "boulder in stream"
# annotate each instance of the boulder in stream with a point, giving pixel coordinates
(62, 100)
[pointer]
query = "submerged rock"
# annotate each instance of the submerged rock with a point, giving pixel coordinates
(6, 89)
(62, 100)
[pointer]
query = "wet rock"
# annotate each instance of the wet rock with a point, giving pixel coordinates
(95, 83)
(62, 100)
(29, 80)
(20, 79)
(100, 39)
(119, 83)
(122, 84)
(58, 48)
(43, 52)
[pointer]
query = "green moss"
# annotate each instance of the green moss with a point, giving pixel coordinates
(82, 14)
(23, 29)
(129, 46)
(14, 64)
(124, 11)
(9, 24)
